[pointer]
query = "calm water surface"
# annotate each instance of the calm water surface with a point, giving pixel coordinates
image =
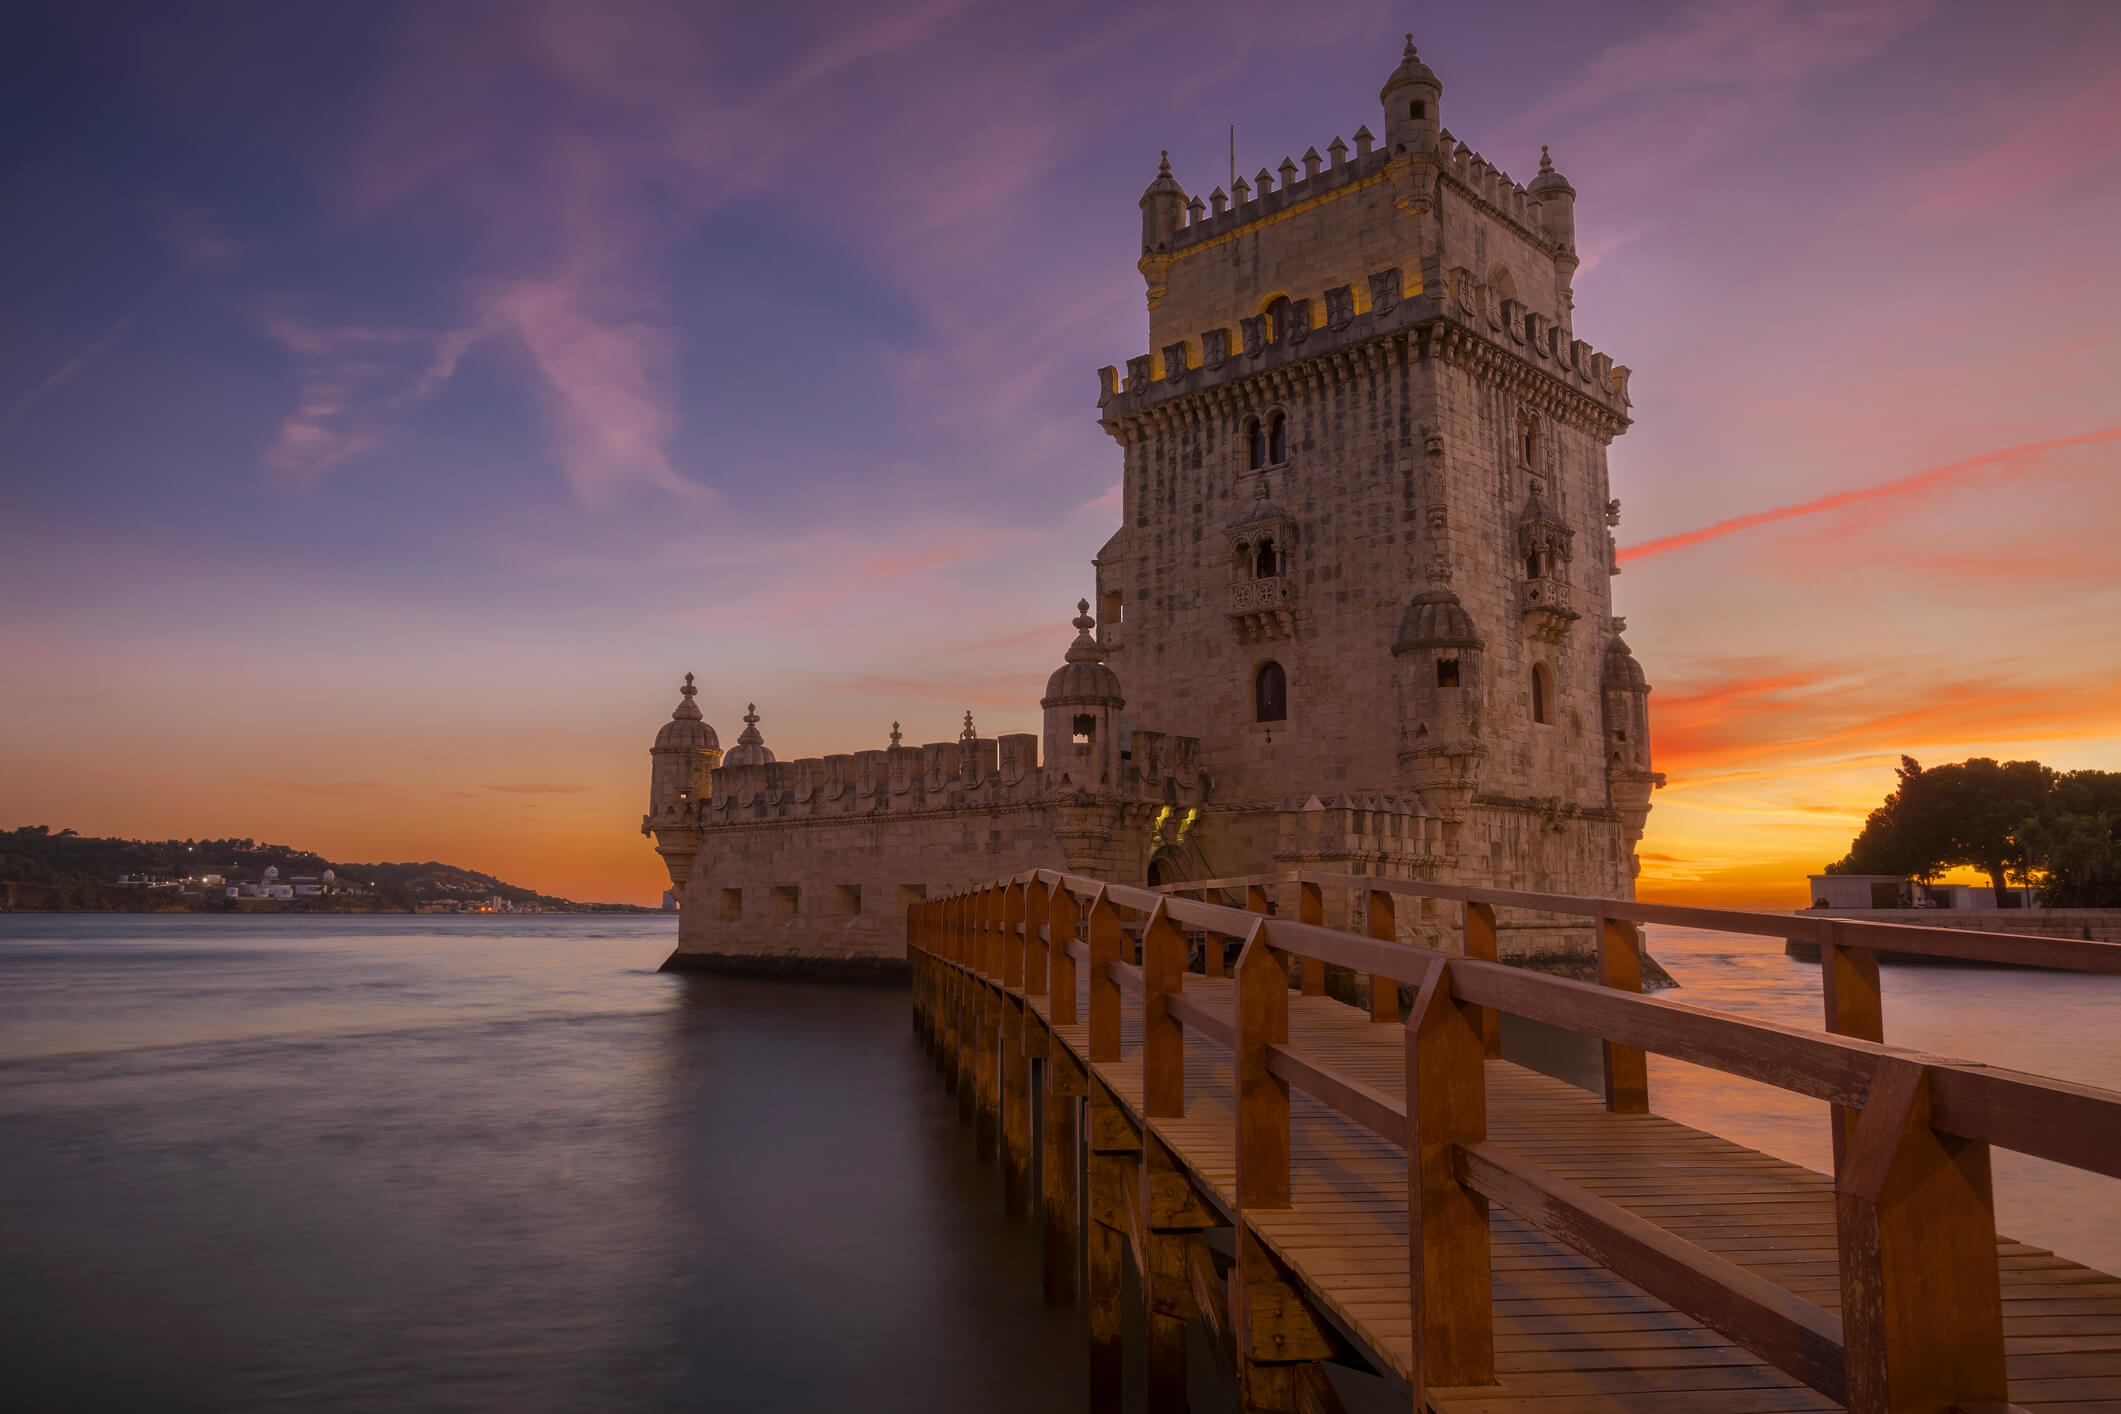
(501, 1163)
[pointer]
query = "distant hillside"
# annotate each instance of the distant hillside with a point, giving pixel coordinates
(45, 869)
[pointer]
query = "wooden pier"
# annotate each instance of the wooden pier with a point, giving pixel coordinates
(1318, 1184)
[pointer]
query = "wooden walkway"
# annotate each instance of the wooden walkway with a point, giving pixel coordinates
(1747, 1251)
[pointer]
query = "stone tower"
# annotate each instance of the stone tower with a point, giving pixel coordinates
(1364, 554)
(1357, 616)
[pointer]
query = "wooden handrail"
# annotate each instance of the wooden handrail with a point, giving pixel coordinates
(1921, 939)
(1921, 1324)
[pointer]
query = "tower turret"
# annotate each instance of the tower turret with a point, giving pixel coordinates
(1442, 696)
(1626, 694)
(750, 748)
(1557, 219)
(1082, 705)
(681, 776)
(1163, 209)
(1413, 100)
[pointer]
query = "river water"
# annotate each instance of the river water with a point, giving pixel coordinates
(438, 1163)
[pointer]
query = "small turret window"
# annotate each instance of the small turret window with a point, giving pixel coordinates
(1447, 672)
(1542, 693)
(1085, 730)
(1255, 444)
(1277, 439)
(1417, 111)
(1270, 694)
(1267, 564)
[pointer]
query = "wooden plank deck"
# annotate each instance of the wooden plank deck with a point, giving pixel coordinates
(1570, 1335)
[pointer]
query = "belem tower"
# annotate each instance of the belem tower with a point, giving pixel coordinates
(1357, 616)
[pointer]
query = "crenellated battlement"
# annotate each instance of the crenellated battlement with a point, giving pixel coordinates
(1333, 324)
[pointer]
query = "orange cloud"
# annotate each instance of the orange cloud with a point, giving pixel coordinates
(1911, 486)
(537, 789)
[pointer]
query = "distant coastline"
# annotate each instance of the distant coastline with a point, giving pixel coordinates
(63, 871)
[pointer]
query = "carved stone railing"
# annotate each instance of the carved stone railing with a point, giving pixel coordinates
(1263, 608)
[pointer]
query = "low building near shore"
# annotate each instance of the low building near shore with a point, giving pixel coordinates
(1873, 891)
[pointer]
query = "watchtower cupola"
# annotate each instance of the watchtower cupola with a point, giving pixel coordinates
(1626, 699)
(1082, 705)
(684, 756)
(1442, 696)
(1413, 99)
(1163, 209)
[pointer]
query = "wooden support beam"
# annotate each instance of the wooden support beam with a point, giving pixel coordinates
(1262, 1096)
(1855, 1006)
(1627, 1071)
(1011, 936)
(1107, 936)
(1037, 908)
(1447, 1222)
(1064, 923)
(1384, 926)
(1311, 909)
(1480, 944)
(1163, 1036)
(1921, 1297)
(1060, 1202)
(1173, 1213)
(1112, 1167)
(986, 1076)
(1015, 1082)
(1277, 1339)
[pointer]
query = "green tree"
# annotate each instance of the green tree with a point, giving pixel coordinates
(1971, 813)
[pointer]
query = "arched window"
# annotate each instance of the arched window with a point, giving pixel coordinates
(1270, 694)
(1277, 439)
(1542, 693)
(1266, 564)
(1255, 444)
(1501, 286)
(1531, 564)
(1278, 319)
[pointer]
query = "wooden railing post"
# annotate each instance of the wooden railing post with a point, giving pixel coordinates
(1848, 980)
(1447, 1222)
(967, 1027)
(1921, 1297)
(1311, 909)
(1262, 1096)
(1012, 936)
(1627, 1070)
(1060, 1202)
(1014, 1061)
(986, 1128)
(1037, 907)
(1214, 958)
(1106, 939)
(1163, 1036)
(1384, 925)
(1115, 1185)
(1480, 944)
(1065, 917)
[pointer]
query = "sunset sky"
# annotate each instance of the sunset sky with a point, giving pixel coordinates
(395, 400)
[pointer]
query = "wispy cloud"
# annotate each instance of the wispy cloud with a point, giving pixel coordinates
(68, 370)
(1914, 486)
(351, 379)
(538, 788)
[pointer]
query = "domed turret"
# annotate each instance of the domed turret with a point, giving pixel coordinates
(1442, 694)
(681, 778)
(1082, 705)
(1413, 100)
(1557, 203)
(750, 748)
(1163, 209)
(1626, 698)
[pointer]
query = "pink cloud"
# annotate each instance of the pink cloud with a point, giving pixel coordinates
(2063, 139)
(1914, 486)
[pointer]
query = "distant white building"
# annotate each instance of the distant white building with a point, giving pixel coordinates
(1897, 891)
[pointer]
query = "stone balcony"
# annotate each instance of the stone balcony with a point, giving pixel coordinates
(1263, 608)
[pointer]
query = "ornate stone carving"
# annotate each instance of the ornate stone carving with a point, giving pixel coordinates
(1255, 334)
(1340, 306)
(1214, 348)
(1385, 291)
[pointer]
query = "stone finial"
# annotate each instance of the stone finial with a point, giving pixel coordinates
(1241, 192)
(1312, 161)
(751, 724)
(1163, 164)
(687, 709)
(1265, 181)
(1084, 649)
(1407, 55)
(1195, 209)
(896, 736)
(1339, 150)
(1288, 172)
(1364, 140)
(1218, 202)
(968, 734)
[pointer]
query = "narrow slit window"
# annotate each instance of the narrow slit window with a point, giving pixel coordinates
(1277, 440)
(1542, 694)
(1447, 672)
(1255, 444)
(1267, 564)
